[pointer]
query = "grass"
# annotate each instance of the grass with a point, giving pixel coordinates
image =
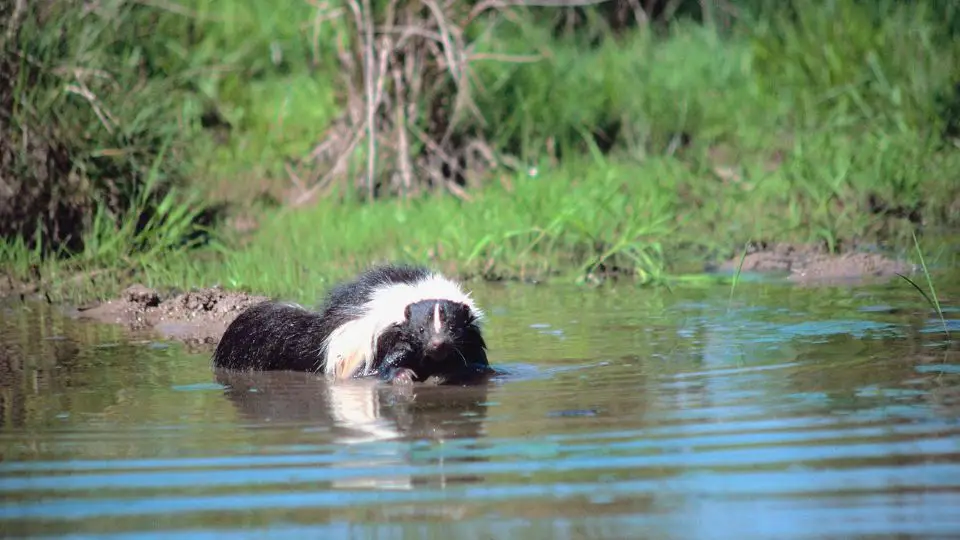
(635, 153)
(256, 67)
(932, 297)
(736, 276)
(571, 219)
(116, 246)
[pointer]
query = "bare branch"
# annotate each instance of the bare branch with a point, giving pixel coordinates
(403, 152)
(171, 7)
(81, 89)
(507, 58)
(416, 65)
(501, 4)
(638, 13)
(363, 19)
(334, 171)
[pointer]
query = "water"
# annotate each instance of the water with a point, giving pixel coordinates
(789, 413)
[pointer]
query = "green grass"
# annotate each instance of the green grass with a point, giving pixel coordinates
(258, 67)
(570, 220)
(791, 127)
(116, 247)
(932, 298)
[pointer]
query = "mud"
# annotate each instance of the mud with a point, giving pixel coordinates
(199, 317)
(812, 265)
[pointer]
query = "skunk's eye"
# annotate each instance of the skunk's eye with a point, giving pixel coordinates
(421, 329)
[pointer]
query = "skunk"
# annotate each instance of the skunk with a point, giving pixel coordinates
(402, 323)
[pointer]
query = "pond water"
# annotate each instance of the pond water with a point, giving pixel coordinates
(786, 412)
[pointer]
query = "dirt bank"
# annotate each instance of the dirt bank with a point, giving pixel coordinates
(813, 265)
(199, 316)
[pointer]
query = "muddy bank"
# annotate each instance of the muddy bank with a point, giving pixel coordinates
(813, 265)
(199, 316)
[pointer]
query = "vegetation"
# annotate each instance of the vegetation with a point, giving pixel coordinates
(512, 142)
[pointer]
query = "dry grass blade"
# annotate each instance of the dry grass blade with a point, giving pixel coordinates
(488, 5)
(338, 168)
(81, 90)
(406, 167)
(638, 13)
(363, 18)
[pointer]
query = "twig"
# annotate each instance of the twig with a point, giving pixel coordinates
(408, 59)
(403, 152)
(172, 8)
(638, 13)
(371, 97)
(507, 58)
(445, 158)
(446, 38)
(500, 4)
(456, 66)
(671, 8)
(364, 24)
(435, 148)
(79, 72)
(406, 32)
(337, 167)
(456, 190)
(294, 177)
(84, 92)
(382, 62)
(482, 148)
(324, 14)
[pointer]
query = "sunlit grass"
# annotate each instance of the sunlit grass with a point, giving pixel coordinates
(787, 129)
(932, 298)
(570, 221)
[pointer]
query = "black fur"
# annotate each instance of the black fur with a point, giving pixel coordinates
(275, 336)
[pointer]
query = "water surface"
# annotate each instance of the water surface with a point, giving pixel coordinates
(789, 412)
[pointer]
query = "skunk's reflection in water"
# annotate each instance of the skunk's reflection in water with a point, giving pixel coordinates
(360, 412)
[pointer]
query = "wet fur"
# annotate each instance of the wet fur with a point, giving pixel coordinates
(370, 326)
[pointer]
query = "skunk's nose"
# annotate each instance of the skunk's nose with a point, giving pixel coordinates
(436, 347)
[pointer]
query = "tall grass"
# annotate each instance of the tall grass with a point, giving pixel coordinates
(572, 220)
(932, 298)
(850, 64)
(81, 130)
(119, 114)
(812, 122)
(262, 72)
(116, 246)
(638, 92)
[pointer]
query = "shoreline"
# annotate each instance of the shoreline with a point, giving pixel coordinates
(201, 315)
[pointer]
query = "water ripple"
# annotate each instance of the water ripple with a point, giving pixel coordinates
(763, 422)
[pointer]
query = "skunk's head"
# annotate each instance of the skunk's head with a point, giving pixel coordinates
(446, 331)
(425, 310)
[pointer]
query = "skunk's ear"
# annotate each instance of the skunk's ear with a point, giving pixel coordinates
(459, 311)
(406, 312)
